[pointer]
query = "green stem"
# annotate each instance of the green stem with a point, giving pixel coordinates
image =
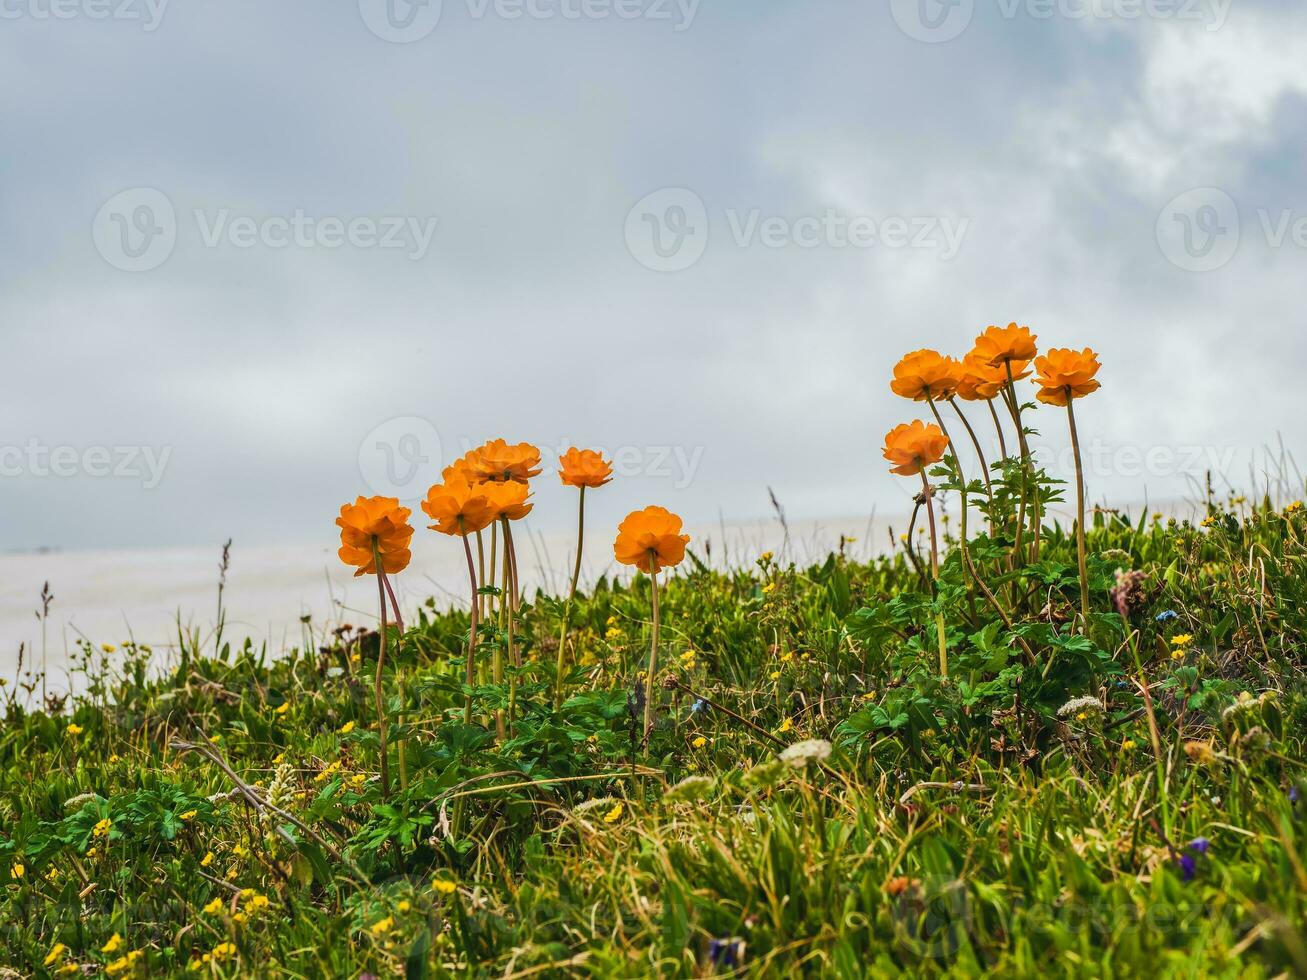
(378, 696)
(1080, 513)
(472, 628)
(649, 684)
(934, 571)
(561, 665)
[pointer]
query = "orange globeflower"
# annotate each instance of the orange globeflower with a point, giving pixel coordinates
(914, 446)
(584, 468)
(375, 522)
(650, 534)
(458, 507)
(925, 375)
(980, 381)
(507, 499)
(1063, 374)
(498, 462)
(1003, 345)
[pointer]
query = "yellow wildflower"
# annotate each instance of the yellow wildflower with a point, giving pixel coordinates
(108, 647)
(282, 708)
(214, 907)
(74, 729)
(769, 588)
(786, 725)
(188, 815)
(55, 955)
(207, 859)
(357, 780)
(404, 905)
(16, 871)
(346, 728)
(1129, 744)
(775, 675)
(239, 850)
(327, 773)
(699, 742)
(114, 944)
(102, 828)
(1294, 507)
(382, 926)
(615, 814)
(1181, 640)
(223, 950)
(444, 886)
(115, 758)
(279, 758)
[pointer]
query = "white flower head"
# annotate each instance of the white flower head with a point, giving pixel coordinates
(800, 754)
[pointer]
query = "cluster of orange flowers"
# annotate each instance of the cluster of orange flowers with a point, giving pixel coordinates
(1001, 357)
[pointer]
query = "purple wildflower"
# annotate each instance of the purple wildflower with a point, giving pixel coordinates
(1188, 867)
(1200, 844)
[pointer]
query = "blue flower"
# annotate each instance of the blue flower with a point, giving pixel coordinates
(698, 706)
(1167, 614)
(726, 952)
(1188, 867)
(1200, 844)
(1295, 794)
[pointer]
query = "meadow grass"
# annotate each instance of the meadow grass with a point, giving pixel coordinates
(815, 797)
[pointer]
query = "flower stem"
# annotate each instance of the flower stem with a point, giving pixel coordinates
(928, 493)
(377, 694)
(561, 665)
(962, 483)
(649, 685)
(993, 413)
(471, 631)
(1080, 513)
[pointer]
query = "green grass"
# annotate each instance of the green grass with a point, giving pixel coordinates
(957, 827)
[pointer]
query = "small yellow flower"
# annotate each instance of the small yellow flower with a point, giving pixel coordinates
(327, 773)
(68, 969)
(215, 739)
(775, 675)
(108, 647)
(92, 852)
(115, 758)
(357, 780)
(258, 903)
(114, 944)
(869, 695)
(346, 728)
(382, 926)
(765, 556)
(16, 871)
(699, 742)
(224, 950)
(55, 955)
(444, 886)
(239, 850)
(207, 859)
(769, 588)
(786, 725)
(282, 708)
(1178, 654)
(1208, 522)
(403, 905)
(279, 758)
(240, 917)
(1294, 507)
(102, 828)
(787, 656)
(615, 814)
(74, 729)
(1181, 640)
(1129, 744)
(52, 875)
(214, 907)
(612, 633)
(188, 816)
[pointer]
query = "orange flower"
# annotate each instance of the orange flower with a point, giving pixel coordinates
(378, 521)
(507, 499)
(925, 375)
(458, 507)
(584, 468)
(497, 462)
(981, 381)
(1063, 374)
(914, 446)
(1003, 345)
(650, 534)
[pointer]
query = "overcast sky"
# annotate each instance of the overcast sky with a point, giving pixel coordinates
(257, 258)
